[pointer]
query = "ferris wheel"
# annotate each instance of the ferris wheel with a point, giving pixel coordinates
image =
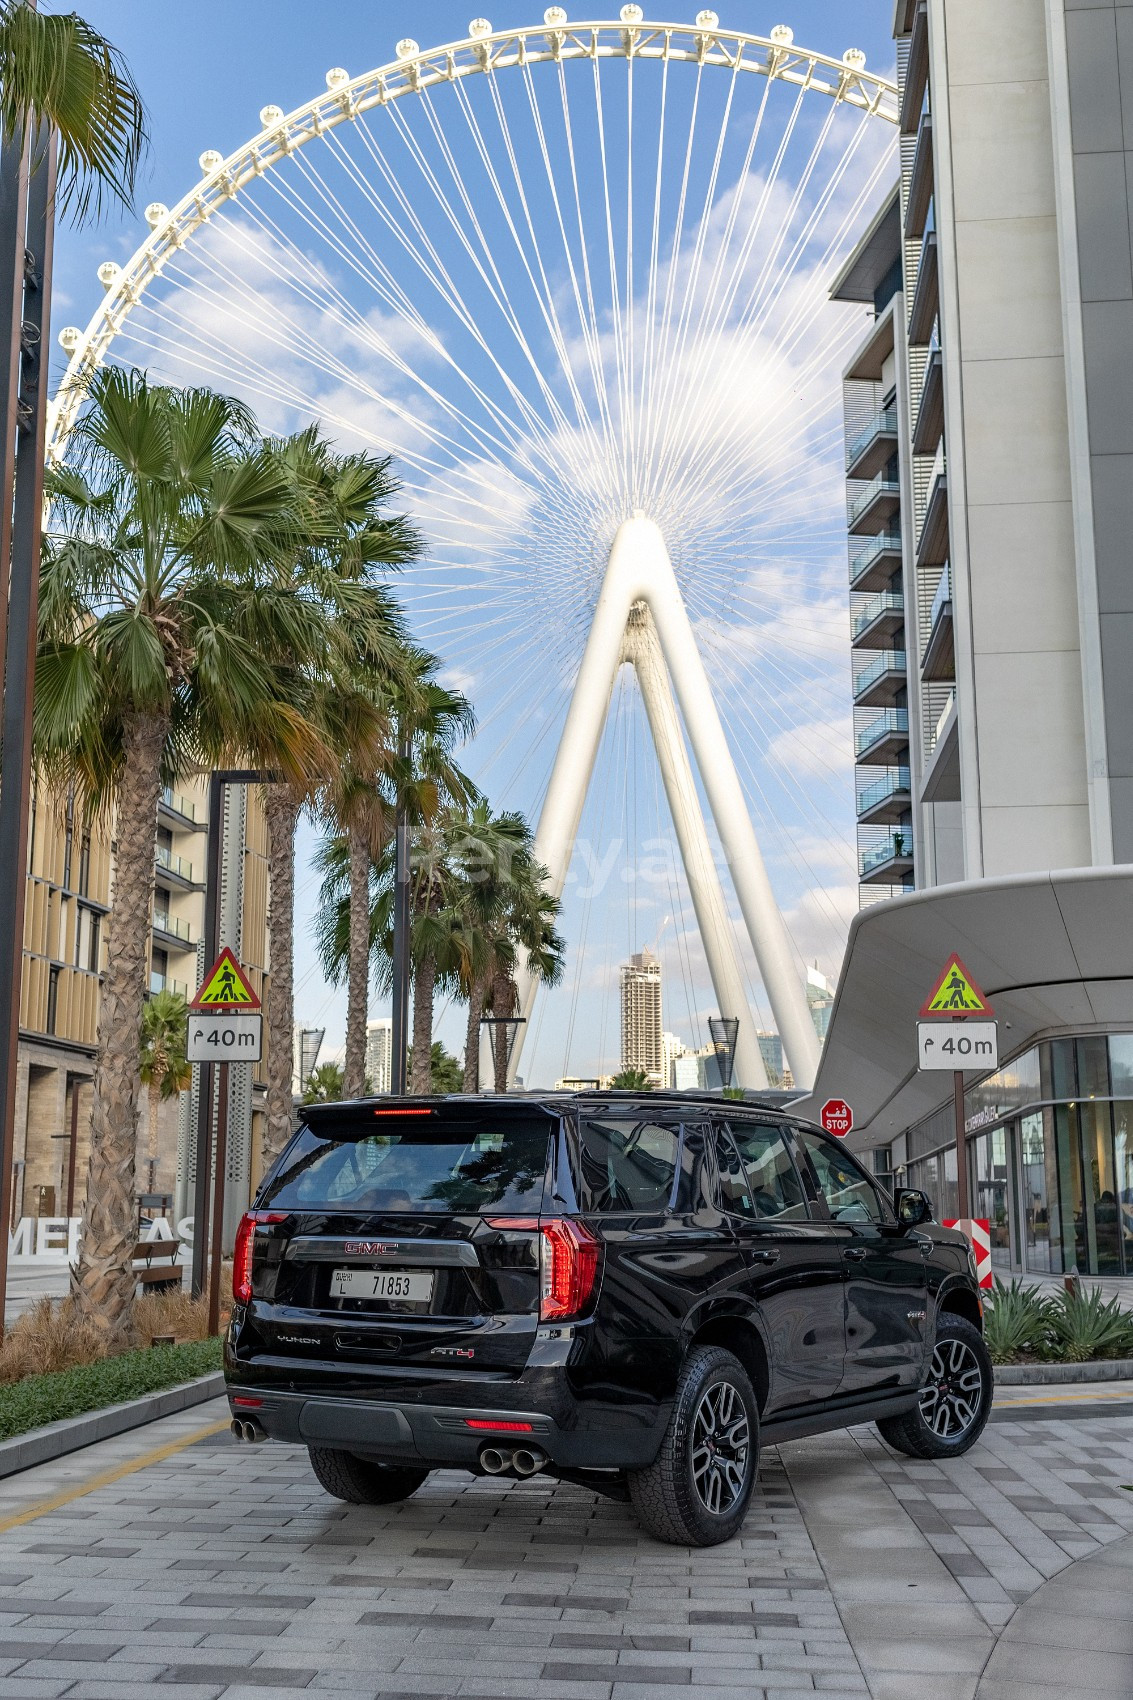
(573, 277)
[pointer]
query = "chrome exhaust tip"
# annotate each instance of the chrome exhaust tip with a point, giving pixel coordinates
(236, 1428)
(493, 1460)
(526, 1462)
(248, 1431)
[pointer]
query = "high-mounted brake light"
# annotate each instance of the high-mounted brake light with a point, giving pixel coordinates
(245, 1243)
(570, 1255)
(404, 1112)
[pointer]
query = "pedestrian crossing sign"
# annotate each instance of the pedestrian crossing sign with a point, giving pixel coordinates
(225, 986)
(955, 993)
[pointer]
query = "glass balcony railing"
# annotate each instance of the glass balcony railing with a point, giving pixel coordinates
(164, 983)
(887, 602)
(885, 661)
(172, 924)
(893, 783)
(943, 595)
(883, 424)
(890, 848)
(165, 858)
(180, 804)
(882, 485)
(885, 543)
(890, 720)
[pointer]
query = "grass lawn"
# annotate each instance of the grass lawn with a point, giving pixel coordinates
(39, 1399)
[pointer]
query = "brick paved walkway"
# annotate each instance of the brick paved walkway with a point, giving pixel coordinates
(223, 1571)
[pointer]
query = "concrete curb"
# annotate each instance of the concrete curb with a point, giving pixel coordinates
(55, 1440)
(1049, 1375)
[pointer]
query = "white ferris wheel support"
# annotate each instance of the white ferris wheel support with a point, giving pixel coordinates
(640, 571)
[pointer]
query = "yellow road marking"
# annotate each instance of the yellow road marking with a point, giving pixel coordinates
(1052, 1397)
(107, 1476)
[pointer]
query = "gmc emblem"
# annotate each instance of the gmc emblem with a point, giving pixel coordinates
(366, 1248)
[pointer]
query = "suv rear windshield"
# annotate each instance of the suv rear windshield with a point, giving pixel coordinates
(446, 1162)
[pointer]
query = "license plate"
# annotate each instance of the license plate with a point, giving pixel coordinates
(381, 1284)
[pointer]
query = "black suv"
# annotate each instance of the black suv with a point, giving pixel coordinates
(625, 1292)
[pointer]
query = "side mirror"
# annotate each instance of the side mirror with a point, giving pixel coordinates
(912, 1207)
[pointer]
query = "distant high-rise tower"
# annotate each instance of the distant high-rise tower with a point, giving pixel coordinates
(642, 1035)
(379, 1053)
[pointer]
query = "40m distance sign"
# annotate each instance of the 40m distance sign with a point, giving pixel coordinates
(225, 1038)
(958, 1045)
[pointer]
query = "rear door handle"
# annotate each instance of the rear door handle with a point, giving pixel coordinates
(764, 1254)
(856, 1252)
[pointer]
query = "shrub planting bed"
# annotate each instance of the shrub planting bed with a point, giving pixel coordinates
(1021, 1325)
(38, 1399)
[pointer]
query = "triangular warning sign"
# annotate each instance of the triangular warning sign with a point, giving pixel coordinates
(955, 993)
(225, 986)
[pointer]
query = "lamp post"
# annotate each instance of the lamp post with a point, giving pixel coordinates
(511, 1024)
(399, 1035)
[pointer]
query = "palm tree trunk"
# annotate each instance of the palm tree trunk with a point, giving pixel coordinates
(154, 1101)
(103, 1284)
(424, 981)
(503, 998)
(281, 812)
(358, 966)
(476, 998)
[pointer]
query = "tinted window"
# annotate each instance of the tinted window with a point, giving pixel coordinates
(761, 1179)
(626, 1164)
(463, 1164)
(848, 1194)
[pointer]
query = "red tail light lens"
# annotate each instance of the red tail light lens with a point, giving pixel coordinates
(245, 1243)
(570, 1269)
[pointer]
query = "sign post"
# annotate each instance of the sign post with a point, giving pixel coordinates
(956, 997)
(225, 1025)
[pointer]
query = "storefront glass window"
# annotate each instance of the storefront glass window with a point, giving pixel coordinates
(1123, 1172)
(1102, 1226)
(1058, 1079)
(992, 1191)
(1121, 1064)
(1093, 1068)
(1036, 1210)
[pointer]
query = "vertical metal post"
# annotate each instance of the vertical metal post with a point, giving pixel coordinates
(204, 1092)
(216, 1238)
(14, 164)
(72, 1149)
(962, 1210)
(29, 427)
(399, 1036)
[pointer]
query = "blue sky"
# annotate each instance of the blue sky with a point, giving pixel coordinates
(770, 621)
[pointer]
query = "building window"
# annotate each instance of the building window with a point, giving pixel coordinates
(52, 998)
(84, 866)
(95, 934)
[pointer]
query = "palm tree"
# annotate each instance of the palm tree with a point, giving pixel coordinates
(490, 853)
(164, 1068)
(530, 933)
(158, 635)
(324, 1084)
(58, 69)
(631, 1080)
(347, 542)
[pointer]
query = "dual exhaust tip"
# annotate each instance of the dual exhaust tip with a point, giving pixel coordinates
(523, 1461)
(244, 1430)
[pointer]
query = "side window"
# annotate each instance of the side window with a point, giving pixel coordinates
(627, 1164)
(770, 1182)
(848, 1194)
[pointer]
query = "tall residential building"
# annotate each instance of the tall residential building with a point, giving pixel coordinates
(70, 891)
(642, 1040)
(820, 999)
(306, 1043)
(379, 1053)
(990, 451)
(771, 1050)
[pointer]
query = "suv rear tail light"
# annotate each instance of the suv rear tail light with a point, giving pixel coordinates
(569, 1267)
(245, 1242)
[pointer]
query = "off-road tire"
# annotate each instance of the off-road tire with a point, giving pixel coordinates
(912, 1433)
(664, 1496)
(361, 1482)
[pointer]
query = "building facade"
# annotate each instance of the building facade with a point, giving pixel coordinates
(379, 1053)
(70, 891)
(643, 1044)
(989, 456)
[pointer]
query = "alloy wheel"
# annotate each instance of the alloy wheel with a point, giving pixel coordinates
(951, 1401)
(721, 1445)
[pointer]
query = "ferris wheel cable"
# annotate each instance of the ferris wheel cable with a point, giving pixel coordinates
(615, 292)
(654, 249)
(585, 927)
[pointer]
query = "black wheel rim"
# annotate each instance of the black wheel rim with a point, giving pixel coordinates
(721, 1448)
(951, 1401)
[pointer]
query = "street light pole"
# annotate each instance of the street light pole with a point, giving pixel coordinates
(399, 1035)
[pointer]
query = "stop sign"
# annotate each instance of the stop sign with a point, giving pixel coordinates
(837, 1117)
